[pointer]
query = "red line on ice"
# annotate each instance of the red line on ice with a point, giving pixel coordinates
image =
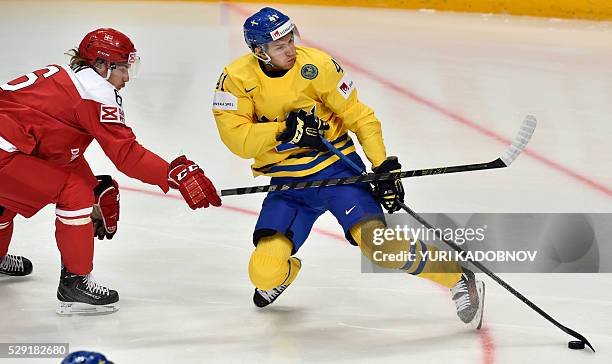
(487, 344)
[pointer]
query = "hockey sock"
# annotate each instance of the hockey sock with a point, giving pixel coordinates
(76, 245)
(409, 256)
(271, 263)
(73, 226)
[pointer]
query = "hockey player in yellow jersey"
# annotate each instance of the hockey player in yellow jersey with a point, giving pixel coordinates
(273, 105)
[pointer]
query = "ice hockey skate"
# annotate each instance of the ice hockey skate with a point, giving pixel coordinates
(14, 265)
(82, 295)
(263, 298)
(469, 296)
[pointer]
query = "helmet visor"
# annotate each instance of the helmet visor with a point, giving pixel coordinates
(131, 67)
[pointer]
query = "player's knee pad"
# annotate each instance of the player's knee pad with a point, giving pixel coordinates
(75, 202)
(270, 264)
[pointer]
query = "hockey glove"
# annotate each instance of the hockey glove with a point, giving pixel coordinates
(303, 131)
(106, 207)
(390, 191)
(187, 177)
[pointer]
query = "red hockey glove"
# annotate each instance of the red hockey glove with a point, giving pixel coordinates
(106, 207)
(197, 190)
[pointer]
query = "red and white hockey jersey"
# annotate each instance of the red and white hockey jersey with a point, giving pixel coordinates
(55, 113)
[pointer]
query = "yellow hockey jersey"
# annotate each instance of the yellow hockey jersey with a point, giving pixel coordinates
(250, 109)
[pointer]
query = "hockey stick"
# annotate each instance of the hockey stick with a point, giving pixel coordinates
(477, 264)
(513, 151)
(497, 279)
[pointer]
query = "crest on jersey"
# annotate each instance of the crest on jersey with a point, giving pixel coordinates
(310, 71)
(111, 114)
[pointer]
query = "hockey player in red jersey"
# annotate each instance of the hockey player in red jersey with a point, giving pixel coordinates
(48, 118)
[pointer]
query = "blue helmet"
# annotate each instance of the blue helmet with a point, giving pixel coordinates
(86, 357)
(265, 26)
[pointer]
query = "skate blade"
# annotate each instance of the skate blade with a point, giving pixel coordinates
(12, 275)
(83, 309)
(476, 323)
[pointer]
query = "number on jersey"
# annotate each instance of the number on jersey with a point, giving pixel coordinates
(30, 79)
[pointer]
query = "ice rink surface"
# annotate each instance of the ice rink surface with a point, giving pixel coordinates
(448, 89)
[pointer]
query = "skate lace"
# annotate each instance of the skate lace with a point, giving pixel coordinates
(94, 286)
(11, 263)
(463, 301)
(271, 294)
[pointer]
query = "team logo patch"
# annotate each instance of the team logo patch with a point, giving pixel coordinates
(346, 86)
(111, 114)
(225, 101)
(310, 71)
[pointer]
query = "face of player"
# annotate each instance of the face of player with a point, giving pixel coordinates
(119, 74)
(282, 52)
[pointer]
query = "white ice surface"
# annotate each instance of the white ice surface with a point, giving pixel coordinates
(182, 275)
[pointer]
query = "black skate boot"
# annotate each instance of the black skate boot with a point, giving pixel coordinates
(82, 295)
(469, 295)
(13, 265)
(263, 298)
